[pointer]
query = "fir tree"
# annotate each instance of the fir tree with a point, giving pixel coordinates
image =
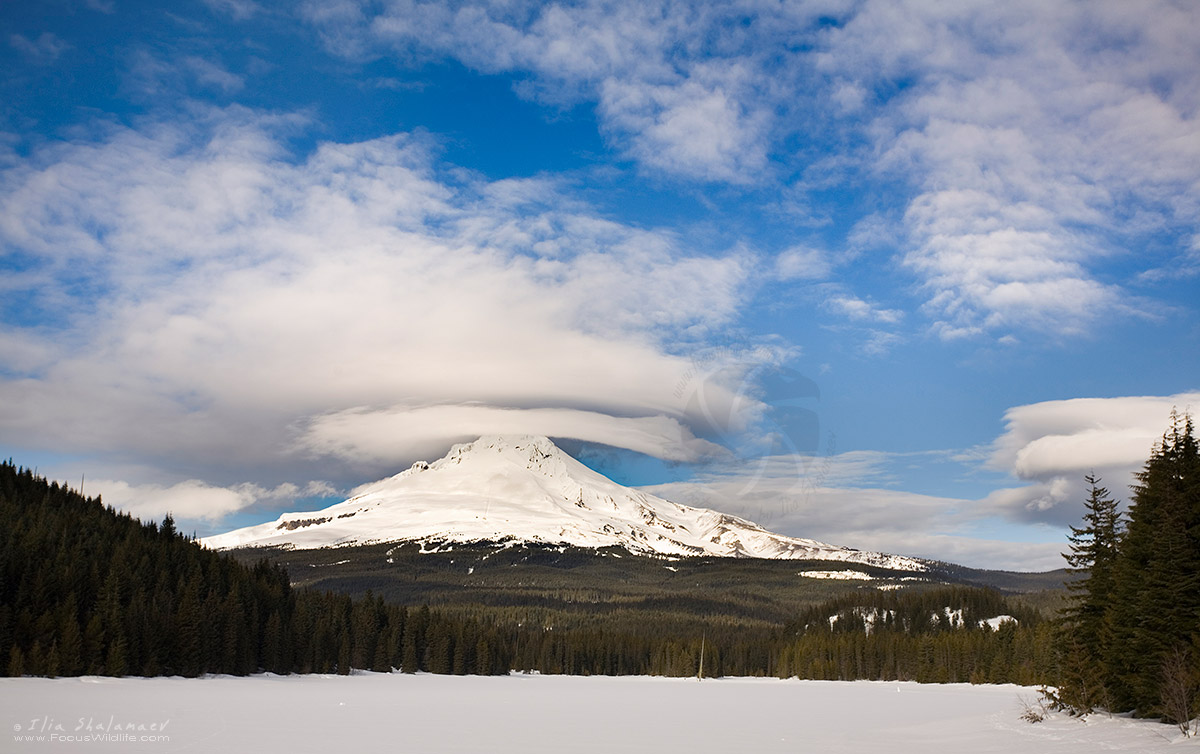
(1084, 635)
(117, 661)
(344, 654)
(167, 529)
(16, 662)
(70, 645)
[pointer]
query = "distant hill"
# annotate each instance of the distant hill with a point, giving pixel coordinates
(610, 586)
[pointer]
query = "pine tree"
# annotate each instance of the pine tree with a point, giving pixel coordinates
(1084, 635)
(70, 645)
(272, 649)
(16, 662)
(93, 645)
(382, 662)
(167, 529)
(365, 631)
(190, 658)
(414, 641)
(344, 654)
(117, 661)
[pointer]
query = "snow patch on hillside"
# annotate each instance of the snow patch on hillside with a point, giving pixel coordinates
(870, 617)
(837, 575)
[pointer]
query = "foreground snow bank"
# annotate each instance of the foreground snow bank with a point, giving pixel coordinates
(426, 713)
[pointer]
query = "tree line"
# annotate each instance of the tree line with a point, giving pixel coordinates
(1130, 639)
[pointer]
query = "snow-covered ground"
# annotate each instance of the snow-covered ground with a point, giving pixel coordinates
(527, 714)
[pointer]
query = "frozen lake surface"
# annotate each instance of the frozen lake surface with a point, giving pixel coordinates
(397, 713)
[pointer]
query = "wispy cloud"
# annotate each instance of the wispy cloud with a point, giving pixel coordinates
(1030, 139)
(802, 263)
(239, 10)
(844, 499)
(852, 497)
(872, 326)
(856, 309)
(698, 129)
(208, 73)
(150, 74)
(662, 98)
(194, 500)
(44, 50)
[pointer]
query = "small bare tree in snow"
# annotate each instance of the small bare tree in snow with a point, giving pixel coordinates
(1179, 689)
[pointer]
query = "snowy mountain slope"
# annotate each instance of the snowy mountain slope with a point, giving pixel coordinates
(524, 489)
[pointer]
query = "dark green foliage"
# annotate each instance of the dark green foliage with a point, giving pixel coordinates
(912, 645)
(938, 636)
(84, 589)
(1093, 556)
(1156, 606)
(1133, 621)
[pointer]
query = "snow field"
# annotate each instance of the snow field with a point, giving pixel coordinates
(527, 714)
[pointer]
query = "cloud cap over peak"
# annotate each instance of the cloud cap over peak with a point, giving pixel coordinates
(244, 297)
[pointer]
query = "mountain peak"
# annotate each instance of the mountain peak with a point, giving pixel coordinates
(525, 446)
(503, 442)
(509, 489)
(505, 456)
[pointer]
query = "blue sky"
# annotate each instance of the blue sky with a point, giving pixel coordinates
(890, 275)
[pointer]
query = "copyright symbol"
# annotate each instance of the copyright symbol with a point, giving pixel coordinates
(17, 727)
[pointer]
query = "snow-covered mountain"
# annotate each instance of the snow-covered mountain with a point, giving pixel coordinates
(507, 489)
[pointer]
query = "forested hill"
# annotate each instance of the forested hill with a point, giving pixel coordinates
(87, 590)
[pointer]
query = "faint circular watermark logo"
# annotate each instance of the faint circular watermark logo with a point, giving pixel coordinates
(767, 415)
